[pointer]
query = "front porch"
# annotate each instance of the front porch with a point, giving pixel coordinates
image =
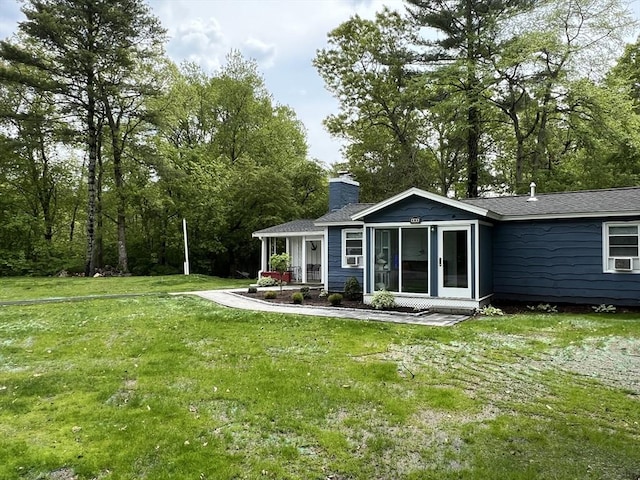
(304, 243)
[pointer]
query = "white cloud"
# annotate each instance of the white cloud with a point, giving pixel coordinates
(263, 53)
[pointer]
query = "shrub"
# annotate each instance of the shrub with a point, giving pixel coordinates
(297, 298)
(306, 292)
(543, 307)
(383, 300)
(335, 299)
(490, 311)
(323, 293)
(266, 282)
(352, 288)
(252, 289)
(270, 294)
(602, 308)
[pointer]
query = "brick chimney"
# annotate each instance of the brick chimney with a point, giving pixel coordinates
(343, 190)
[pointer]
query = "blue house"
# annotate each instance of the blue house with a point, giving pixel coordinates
(437, 252)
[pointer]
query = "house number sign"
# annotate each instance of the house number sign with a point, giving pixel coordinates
(415, 220)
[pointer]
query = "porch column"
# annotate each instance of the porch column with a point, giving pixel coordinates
(303, 260)
(264, 255)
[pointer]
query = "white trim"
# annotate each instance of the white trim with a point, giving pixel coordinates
(346, 223)
(475, 260)
(424, 301)
(343, 250)
(429, 196)
(560, 216)
(635, 261)
(317, 233)
(324, 264)
(453, 292)
(347, 180)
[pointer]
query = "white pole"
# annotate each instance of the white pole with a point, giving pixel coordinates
(186, 247)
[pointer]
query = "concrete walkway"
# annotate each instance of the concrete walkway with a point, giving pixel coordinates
(233, 299)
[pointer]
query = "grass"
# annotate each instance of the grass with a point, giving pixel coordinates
(30, 288)
(177, 387)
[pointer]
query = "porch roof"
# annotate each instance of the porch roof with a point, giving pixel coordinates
(293, 228)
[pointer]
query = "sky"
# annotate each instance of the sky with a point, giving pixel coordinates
(283, 36)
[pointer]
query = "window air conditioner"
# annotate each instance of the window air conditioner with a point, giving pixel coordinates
(354, 260)
(623, 264)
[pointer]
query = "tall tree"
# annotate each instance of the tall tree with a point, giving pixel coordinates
(368, 66)
(75, 41)
(468, 34)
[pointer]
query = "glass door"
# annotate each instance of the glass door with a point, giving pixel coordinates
(454, 262)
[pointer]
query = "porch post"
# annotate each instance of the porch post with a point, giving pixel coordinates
(303, 260)
(263, 255)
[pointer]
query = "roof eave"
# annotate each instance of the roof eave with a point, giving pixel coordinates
(429, 196)
(286, 234)
(560, 216)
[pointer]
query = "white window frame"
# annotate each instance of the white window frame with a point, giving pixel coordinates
(345, 233)
(607, 260)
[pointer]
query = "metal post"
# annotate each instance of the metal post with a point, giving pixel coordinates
(186, 247)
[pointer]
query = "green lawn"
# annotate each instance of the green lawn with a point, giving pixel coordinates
(29, 288)
(176, 387)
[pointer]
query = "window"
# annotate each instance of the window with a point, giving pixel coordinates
(352, 249)
(621, 247)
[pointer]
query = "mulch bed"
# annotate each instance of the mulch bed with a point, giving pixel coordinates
(317, 301)
(506, 307)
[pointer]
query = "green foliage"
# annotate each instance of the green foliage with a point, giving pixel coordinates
(297, 298)
(270, 294)
(382, 300)
(352, 288)
(335, 299)
(252, 289)
(266, 282)
(490, 311)
(306, 292)
(280, 262)
(503, 99)
(543, 307)
(604, 308)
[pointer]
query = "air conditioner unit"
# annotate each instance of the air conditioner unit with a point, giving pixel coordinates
(623, 264)
(354, 260)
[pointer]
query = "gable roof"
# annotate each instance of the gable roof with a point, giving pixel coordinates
(295, 226)
(344, 215)
(478, 210)
(586, 203)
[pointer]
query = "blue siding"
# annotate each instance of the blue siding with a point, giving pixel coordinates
(418, 207)
(485, 260)
(557, 261)
(337, 274)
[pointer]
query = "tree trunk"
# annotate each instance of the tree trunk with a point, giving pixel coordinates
(121, 219)
(92, 142)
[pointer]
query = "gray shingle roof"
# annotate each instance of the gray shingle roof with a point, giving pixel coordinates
(295, 226)
(586, 202)
(344, 214)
